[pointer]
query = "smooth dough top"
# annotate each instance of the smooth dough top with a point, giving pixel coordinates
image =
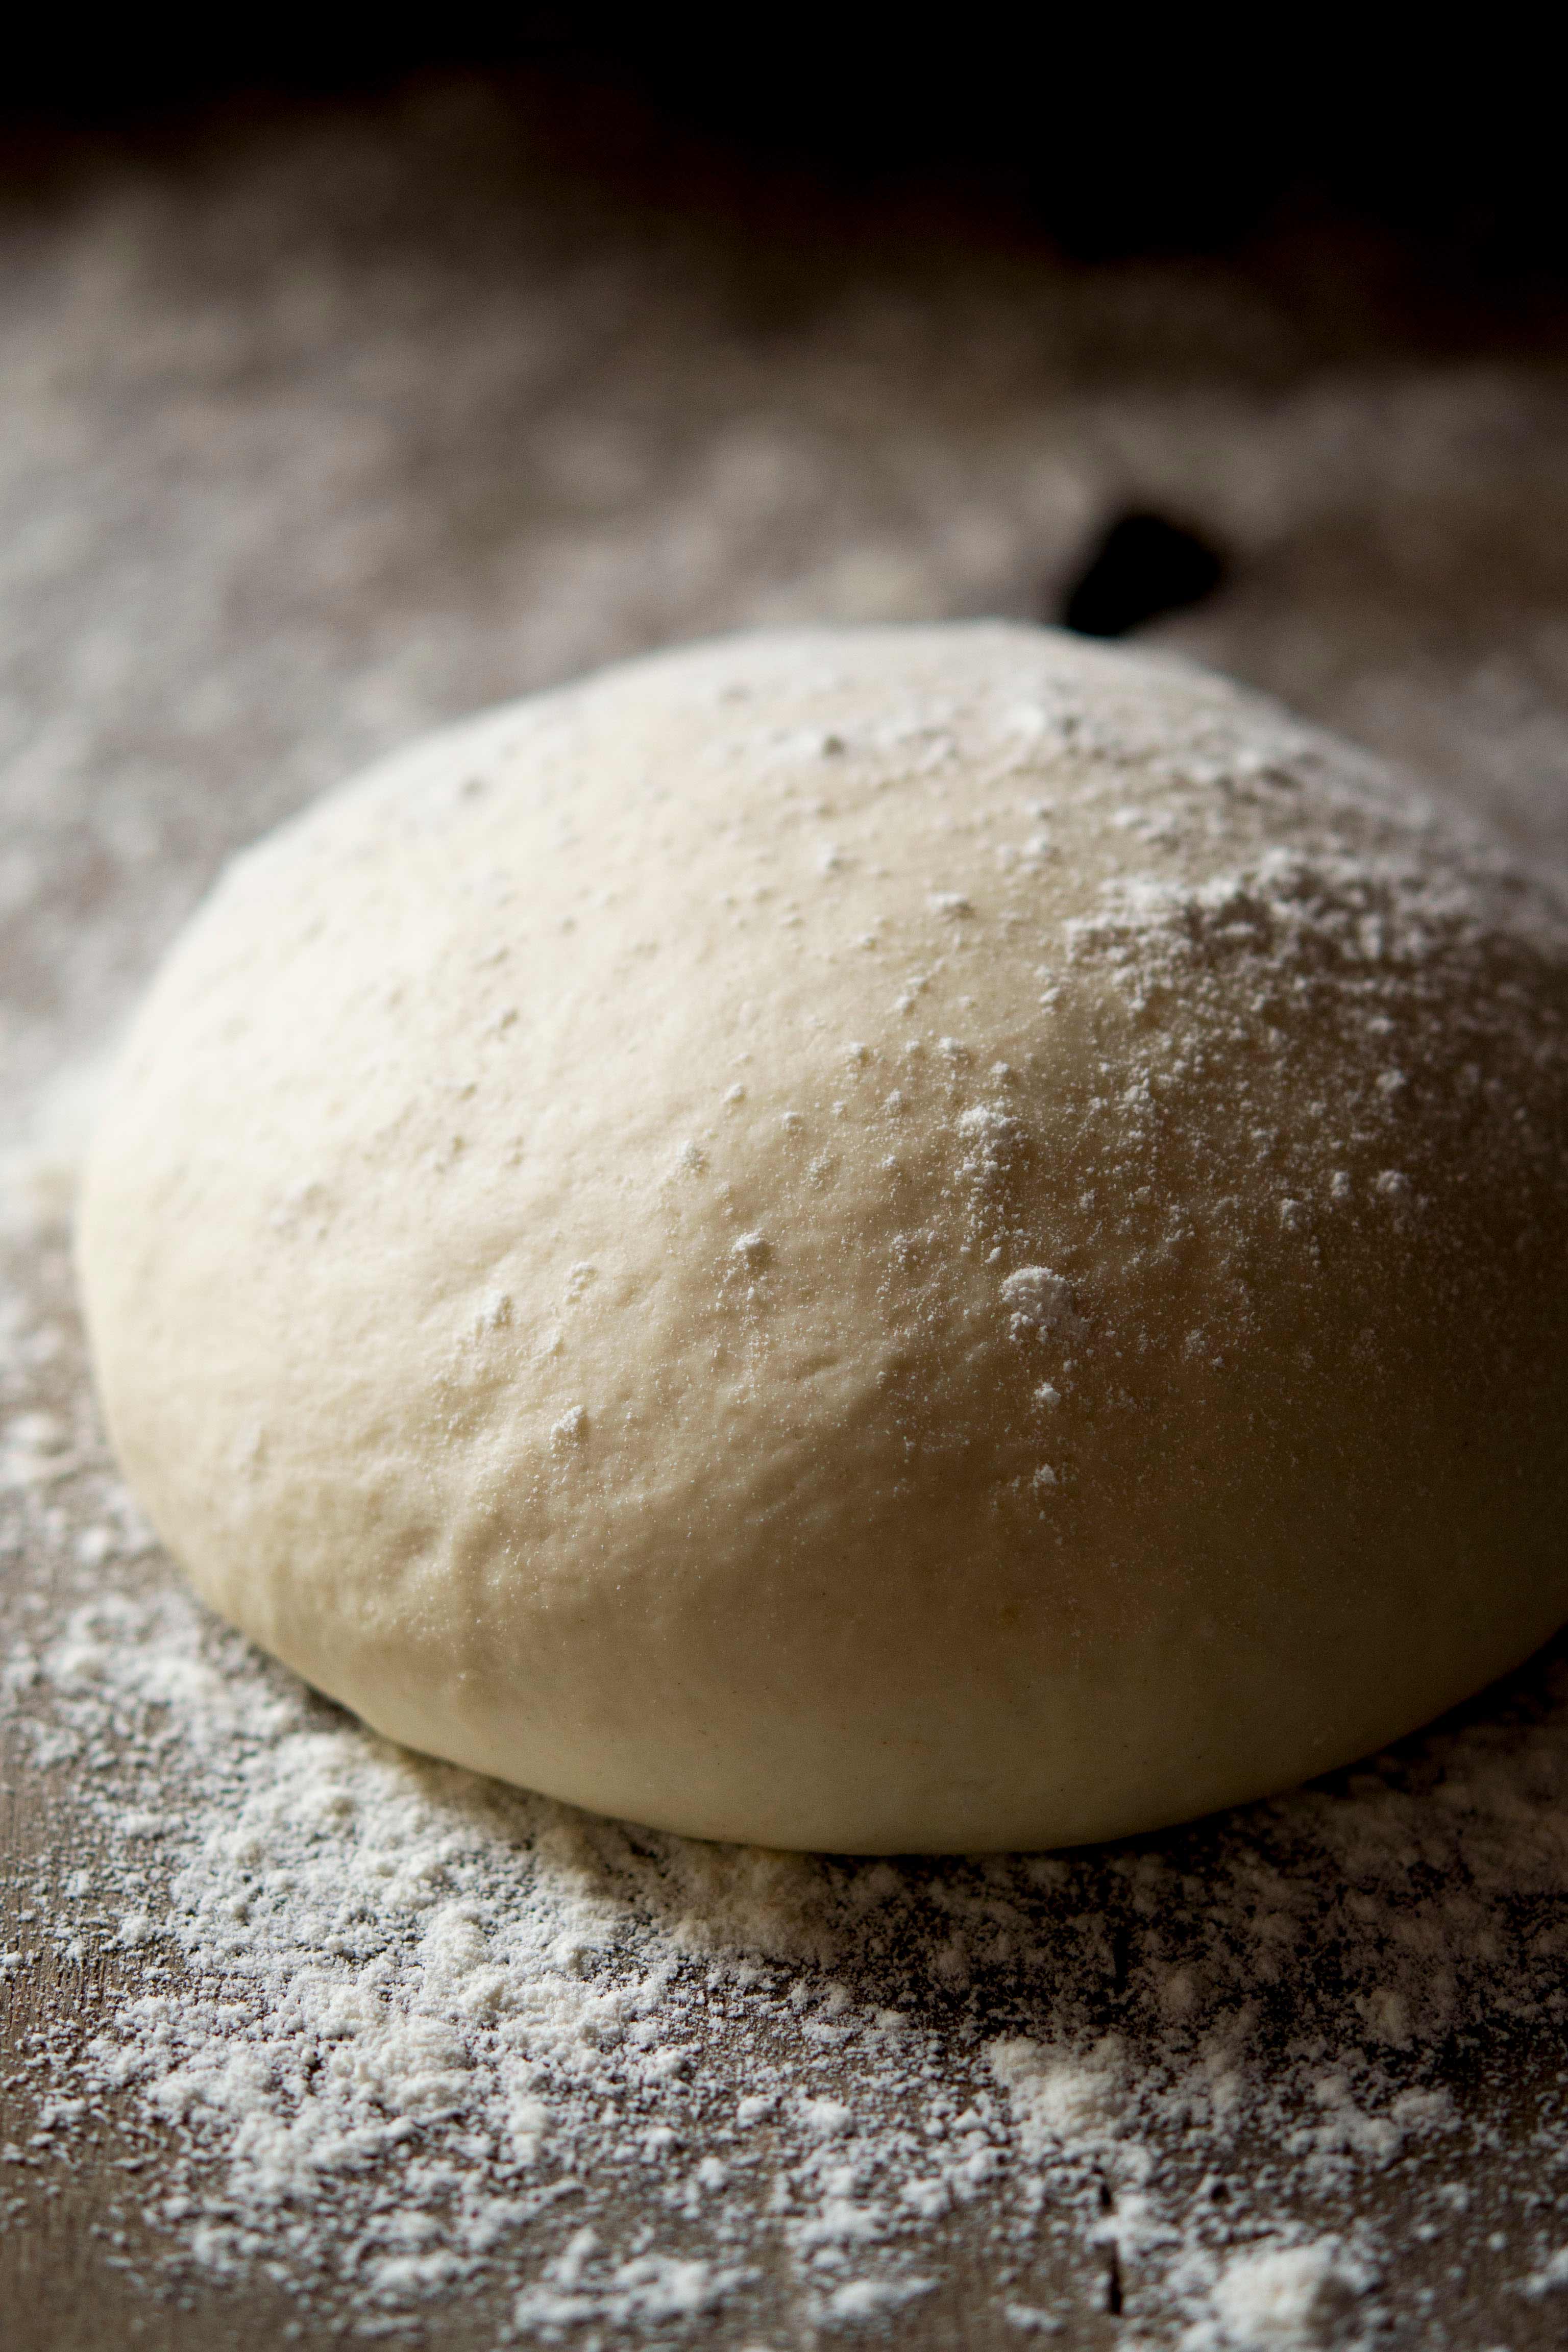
(910, 1238)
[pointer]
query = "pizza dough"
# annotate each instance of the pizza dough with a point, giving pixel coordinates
(912, 1238)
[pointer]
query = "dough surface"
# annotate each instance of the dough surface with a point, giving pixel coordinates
(928, 1238)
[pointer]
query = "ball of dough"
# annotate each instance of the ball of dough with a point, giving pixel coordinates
(915, 1238)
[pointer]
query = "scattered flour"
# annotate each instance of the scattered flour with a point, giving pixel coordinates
(1288, 2297)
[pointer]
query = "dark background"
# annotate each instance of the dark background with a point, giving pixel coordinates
(1108, 135)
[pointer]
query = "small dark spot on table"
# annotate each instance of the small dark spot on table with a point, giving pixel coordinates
(1143, 565)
